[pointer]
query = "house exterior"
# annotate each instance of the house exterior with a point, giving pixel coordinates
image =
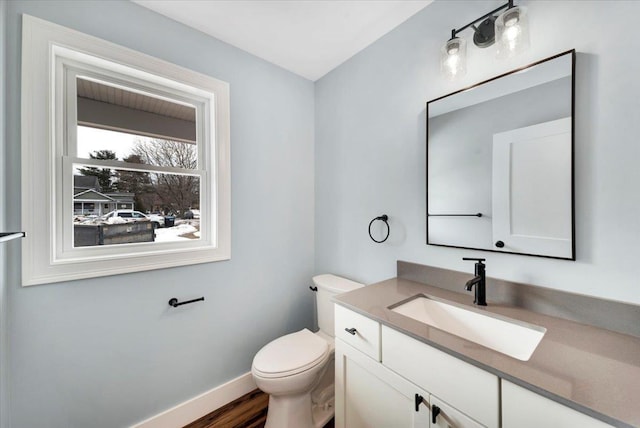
(88, 200)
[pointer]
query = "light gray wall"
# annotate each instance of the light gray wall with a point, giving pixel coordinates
(370, 146)
(109, 352)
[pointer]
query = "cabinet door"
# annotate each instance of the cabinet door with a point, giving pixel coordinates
(369, 395)
(449, 417)
(522, 408)
(470, 389)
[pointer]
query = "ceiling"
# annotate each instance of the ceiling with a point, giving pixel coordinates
(306, 37)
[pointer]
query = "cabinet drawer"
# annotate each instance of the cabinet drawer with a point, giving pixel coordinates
(365, 332)
(469, 389)
(522, 408)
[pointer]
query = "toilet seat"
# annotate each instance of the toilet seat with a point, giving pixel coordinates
(291, 354)
(329, 339)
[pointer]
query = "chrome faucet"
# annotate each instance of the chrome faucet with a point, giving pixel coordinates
(480, 281)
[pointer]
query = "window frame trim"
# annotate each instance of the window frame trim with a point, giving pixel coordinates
(45, 121)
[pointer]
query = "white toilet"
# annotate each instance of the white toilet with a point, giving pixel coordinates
(297, 370)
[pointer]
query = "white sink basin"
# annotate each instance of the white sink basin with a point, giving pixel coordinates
(514, 338)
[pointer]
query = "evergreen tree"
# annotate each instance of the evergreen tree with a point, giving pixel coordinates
(138, 183)
(104, 175)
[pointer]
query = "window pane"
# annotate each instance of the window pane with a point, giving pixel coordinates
(117, 206)
(117, 123)
(107, 106)
(94, 143)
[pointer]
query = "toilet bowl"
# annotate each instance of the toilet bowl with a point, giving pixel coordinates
(288, 369)
(297, 370)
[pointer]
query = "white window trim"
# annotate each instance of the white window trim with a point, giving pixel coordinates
(46, 48)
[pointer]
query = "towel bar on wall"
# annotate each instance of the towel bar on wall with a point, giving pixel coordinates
(8, 236)
(455, 215)
(174, 302)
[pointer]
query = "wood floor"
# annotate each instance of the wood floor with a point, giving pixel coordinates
(248, 411)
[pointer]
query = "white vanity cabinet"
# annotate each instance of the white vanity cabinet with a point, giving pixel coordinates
(472, 391)
(368, 395)
(373, 392)
(522, 408)
(380, 372)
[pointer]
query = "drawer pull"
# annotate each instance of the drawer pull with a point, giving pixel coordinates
(352, 331)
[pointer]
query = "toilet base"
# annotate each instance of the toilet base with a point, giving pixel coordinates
(312, 409)
(297, 412)
(323, 414)
(323, 396)
(291, 411)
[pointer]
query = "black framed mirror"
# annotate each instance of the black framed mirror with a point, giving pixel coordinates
(500, 157)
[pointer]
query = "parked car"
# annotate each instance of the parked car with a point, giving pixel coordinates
(157, 220)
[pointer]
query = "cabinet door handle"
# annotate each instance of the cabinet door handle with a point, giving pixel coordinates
(499, 244)
(352, 331)
(435, 411)
(419, 399)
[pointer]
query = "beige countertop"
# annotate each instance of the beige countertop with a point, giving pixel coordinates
(590, 369)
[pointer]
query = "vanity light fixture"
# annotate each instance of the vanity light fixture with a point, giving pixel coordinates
(512, 32)
(510, 29)
(453, 58)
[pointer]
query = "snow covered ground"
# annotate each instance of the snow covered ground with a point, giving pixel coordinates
(172, 234)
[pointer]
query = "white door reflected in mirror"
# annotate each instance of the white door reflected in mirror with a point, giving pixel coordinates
(532, 188)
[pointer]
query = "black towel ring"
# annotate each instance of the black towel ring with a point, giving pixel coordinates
(384, 218)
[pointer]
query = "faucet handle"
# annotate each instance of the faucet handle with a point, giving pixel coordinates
(474, 259)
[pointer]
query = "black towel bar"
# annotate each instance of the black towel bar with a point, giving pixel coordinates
(455, 215)
(8, 236)
(174, 302)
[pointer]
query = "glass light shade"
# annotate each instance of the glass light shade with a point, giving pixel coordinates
(453, 58)
(512, 32)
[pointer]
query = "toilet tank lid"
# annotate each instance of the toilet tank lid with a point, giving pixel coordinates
(335, 284)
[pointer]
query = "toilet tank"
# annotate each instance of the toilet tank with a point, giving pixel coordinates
(329, 286)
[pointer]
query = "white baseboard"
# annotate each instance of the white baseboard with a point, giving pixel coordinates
(197, 407)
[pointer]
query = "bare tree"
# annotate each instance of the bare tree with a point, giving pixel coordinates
(177, 192)
(166, 153)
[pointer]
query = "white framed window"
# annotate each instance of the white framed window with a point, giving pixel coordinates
(125, 159)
